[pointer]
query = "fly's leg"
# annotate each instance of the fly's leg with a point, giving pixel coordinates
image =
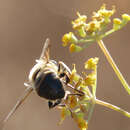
(79, 92)
(64, 66)
(64, 71)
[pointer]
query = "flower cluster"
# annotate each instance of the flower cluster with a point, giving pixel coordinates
(96, 29)
(77, 103)
(80, 103)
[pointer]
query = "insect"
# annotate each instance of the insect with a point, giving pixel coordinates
(48, 78)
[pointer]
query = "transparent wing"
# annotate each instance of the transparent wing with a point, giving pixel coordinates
(45, 50)
(20, 101)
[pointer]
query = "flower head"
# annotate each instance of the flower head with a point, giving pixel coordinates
(91, 63)
(116, 23)
(69, 38)
(126, 17)
(103, 12)
(74, 76)
(75, 48)
(90, 79)
(93, 26)
(79, 22)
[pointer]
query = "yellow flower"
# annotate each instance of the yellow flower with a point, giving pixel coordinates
(64, 112)
(106, 13)
(91, 63)
(93, 26)
(78, 118)
(90, 79)
(96, 16)
(73, 102)
(116, 23)
(68, 38)
(82, 32)
(74, 76)
(126, 17)
(75, 48)
(80, 21)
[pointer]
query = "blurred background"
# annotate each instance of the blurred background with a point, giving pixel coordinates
(24, 26)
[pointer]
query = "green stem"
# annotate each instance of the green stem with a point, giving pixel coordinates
(108, 105)
(85, 41)
(94, 87)
(90, 112)
(108, 33)
(115, 68)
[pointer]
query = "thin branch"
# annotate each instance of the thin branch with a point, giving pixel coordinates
(114, 66)
(113, 107)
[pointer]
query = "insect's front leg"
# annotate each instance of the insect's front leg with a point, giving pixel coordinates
(64, 71)
(64, 66)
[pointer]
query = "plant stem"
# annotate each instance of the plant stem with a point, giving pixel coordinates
(94, 87)
(90, 112)
(85, 41)
(108, 33)
(115, 68)
(108, 105)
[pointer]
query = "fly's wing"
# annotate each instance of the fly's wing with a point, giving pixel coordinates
(45, 50)
(19, 102)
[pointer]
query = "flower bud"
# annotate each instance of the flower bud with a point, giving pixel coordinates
(126, 17)
(116, 23)
(69, 38)
(75, 48)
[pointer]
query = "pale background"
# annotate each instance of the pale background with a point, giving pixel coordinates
(24, 25)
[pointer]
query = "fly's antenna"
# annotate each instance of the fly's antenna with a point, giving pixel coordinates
(20, 101)
(45, 50)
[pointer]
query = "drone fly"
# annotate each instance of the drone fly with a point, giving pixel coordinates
(48, 79)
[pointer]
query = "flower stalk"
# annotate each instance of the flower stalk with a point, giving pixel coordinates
(113, 107)
(114, 66)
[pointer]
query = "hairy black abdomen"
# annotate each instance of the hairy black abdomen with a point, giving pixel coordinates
(49, 86)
